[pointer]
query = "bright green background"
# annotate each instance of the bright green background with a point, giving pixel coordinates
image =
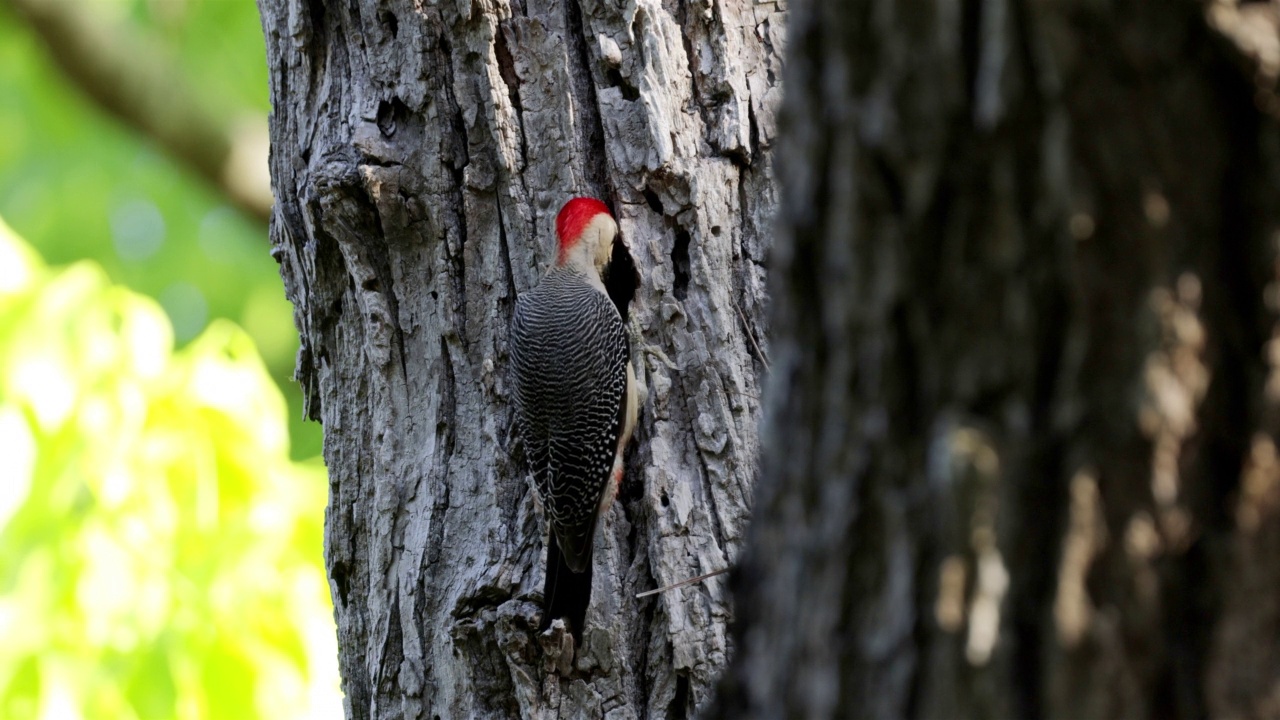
(161, 501)
(76, 184)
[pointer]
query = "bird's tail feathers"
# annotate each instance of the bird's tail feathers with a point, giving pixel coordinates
(566, 593)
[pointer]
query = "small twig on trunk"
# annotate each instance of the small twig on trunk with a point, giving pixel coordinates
(751, 336)
(681, 584)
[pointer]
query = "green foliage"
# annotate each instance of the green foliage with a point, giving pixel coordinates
(159, 552)
(76, 184)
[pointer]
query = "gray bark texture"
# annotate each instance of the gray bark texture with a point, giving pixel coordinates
(1020, 442)
(420, 152)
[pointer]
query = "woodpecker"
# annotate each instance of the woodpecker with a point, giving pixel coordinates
(575, 397)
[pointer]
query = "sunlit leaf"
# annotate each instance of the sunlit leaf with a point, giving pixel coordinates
(160, 554)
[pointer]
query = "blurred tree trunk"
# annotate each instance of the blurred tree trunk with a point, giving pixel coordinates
(420, 152)
(1026, 303)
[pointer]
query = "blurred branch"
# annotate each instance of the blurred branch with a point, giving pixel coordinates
(136, 82)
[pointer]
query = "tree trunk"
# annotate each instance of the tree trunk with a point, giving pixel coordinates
(1023, 460)
(420, 152)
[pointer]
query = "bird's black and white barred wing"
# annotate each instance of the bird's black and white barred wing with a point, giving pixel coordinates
(569, 353)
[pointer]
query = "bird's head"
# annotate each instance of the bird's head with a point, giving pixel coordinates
(585, 231)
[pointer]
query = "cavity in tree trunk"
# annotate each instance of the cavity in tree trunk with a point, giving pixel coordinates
(420, 152)
(1022, 457)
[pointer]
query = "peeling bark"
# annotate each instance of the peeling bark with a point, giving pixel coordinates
(420, 152)
(1020, 445)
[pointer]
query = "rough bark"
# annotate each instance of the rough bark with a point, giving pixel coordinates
(1020, 444)
(420, 152)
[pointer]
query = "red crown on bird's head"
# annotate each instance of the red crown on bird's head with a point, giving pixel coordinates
(573, 219)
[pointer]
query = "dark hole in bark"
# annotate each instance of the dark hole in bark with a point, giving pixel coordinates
(629, 91)
(390, 22)
(371, 284)
(680, 263)
(666, 501)
(339, 575)
(632, 488)
(315, 8)
(507, 68)
(739, 156)
(651, 197)
(389, 113)
(679, 708)
(621, 278)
